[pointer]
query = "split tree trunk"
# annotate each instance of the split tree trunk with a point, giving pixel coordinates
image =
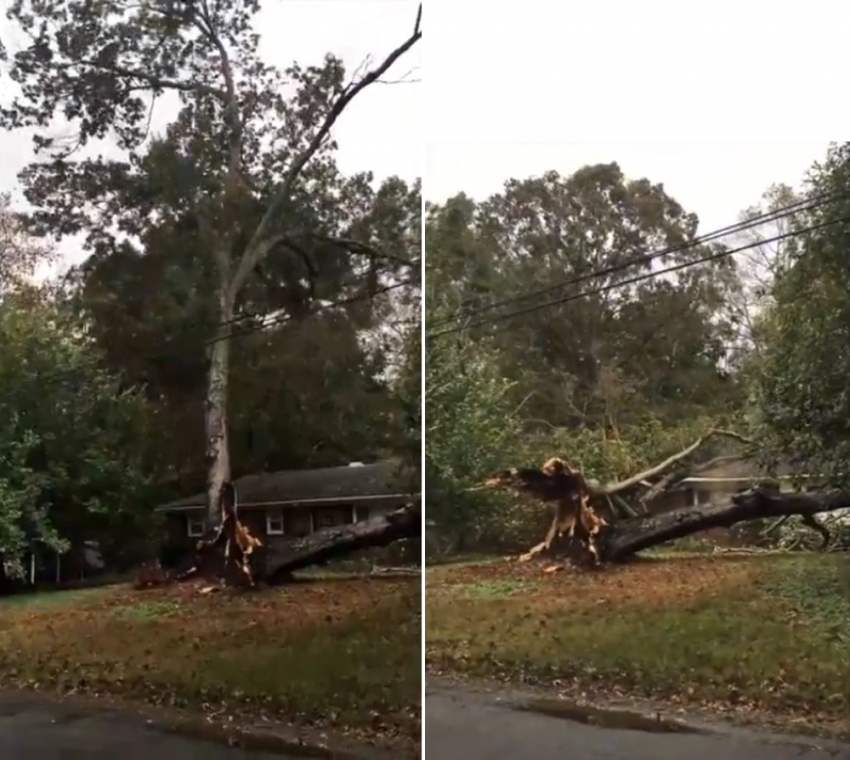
(330, 543)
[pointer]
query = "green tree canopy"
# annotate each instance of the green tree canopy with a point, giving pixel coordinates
(71, 440)
(801, 378)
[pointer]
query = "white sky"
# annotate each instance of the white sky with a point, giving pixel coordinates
(379, 130)
(716, 100)
(715, 180)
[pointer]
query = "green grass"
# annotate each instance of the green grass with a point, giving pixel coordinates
(766, 630)
(344, 650)
(818, 591)
(47, 599)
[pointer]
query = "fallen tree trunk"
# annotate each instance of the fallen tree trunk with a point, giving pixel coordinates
(580, 532)
(625, 538)
(331, 543)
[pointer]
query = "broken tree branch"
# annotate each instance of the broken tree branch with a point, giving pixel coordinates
(662, 485)
(624, 485)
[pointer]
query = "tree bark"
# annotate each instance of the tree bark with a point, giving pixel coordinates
(623, 539)
(331, 543)
(611, 541)
(218, 448)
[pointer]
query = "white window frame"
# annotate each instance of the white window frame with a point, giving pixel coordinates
(273, 517)
(695, 494)
(193, 522)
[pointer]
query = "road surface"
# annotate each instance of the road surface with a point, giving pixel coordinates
(465, 724)
(50, 731)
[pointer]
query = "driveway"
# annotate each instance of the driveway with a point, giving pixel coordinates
(466, 724)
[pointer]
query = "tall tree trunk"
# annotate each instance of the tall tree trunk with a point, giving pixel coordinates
(218, 446)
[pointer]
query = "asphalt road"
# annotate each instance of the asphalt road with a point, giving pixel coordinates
(463, 724)
(58, 732)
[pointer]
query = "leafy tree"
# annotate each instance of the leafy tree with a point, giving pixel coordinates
(800, 387)
(303, 392)
(470, 422)
(236, 165)
(20, 254)
(71, 442)
(597, 358)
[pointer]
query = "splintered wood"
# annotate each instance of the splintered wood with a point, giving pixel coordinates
(558, 483)
(239, 543)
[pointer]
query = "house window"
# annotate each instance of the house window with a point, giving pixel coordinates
(194, 527)
(361, 513)
(274, 523)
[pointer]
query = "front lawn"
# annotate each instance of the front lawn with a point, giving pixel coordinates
(765, 633)
(342, 652)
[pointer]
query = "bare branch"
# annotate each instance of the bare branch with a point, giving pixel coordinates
(355, 246)
(670, 461)
(204, 23)
(258, 246)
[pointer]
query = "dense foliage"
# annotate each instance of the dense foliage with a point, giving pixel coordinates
(72, 441)
(320, 316)
(550, 335)
(801, 383)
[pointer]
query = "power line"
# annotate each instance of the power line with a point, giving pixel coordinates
(286, 318)
(770, 216)
(258, 315)
(639, 278)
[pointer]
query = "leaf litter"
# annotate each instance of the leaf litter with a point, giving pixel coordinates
(332, 654)
(714, 633)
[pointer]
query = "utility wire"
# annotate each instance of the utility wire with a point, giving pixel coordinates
(633, 280)
(286, 318)
(770, 216)
(259, 315)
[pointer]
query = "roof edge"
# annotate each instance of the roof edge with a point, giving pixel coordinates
(298, 502)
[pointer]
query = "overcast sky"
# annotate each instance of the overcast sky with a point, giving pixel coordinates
(379, 131)
(715, 180)
(716, 100)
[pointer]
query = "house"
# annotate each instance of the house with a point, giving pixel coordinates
(280, 506)
(717, 483)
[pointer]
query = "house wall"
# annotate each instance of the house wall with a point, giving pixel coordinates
(669, 501)
(297, 522)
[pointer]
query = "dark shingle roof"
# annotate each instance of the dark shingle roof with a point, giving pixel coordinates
(385, 478)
